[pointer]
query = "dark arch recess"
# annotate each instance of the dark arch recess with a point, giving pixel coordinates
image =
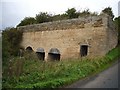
(29, 49)
(54, 54)
(40, 53)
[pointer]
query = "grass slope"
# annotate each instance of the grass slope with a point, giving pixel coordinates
(29, 73)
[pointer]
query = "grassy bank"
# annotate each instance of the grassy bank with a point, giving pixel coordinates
(29, 73)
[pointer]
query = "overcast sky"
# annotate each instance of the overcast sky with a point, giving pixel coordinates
(13, 11)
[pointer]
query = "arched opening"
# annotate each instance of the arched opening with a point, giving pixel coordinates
(29, 49)
(40, 53)
(54, 54)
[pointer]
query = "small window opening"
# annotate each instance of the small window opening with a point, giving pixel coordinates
(84, 50)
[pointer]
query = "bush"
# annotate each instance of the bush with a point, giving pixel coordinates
(11, 39)
(40, 74)
(27, 21)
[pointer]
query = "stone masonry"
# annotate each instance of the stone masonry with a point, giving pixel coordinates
(87, 36)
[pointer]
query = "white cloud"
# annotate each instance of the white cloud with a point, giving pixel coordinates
(15, 10)
(119, 8)
(0, 15)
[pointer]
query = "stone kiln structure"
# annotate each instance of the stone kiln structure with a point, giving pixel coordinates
(87, 36)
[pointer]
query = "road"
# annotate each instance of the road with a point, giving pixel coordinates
(106, 79)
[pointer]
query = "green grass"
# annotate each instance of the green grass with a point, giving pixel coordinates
(29, 73)
(114, 53)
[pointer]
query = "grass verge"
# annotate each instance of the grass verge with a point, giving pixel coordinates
(31, 73)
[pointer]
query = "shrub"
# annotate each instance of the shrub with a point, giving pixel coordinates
(40, 74)
(11, 39)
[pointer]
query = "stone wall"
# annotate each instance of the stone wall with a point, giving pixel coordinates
(93, 21)
(97, 32)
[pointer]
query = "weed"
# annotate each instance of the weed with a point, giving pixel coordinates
(32, 73)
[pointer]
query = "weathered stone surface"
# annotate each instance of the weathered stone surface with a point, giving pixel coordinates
(98, 32)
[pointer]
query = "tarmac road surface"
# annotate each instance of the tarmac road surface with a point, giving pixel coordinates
(106, 79)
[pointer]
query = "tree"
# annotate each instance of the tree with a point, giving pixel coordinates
(85, 13)
(108, 11)
(71, 13)
(27, 21)
(11, 39)
(43, 17)
(59, 17)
